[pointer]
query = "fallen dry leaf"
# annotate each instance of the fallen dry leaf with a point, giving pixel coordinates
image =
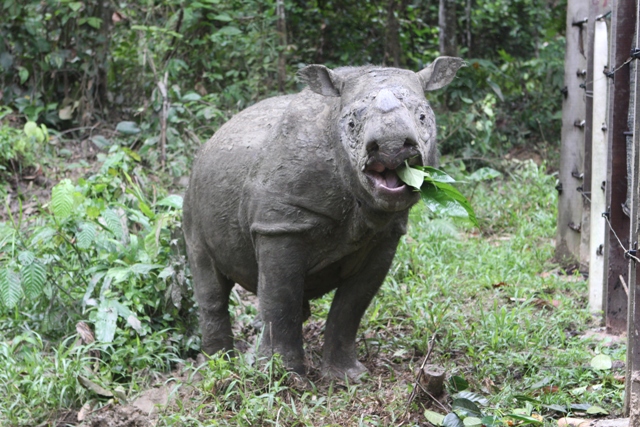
(85, 333)
(619, 378)
(84, 411)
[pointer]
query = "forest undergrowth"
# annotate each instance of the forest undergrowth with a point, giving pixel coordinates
(102, 325)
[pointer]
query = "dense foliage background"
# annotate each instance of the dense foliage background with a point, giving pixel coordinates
(72, 64)
(103, 105)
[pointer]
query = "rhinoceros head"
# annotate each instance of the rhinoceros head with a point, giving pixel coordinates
(384, 120)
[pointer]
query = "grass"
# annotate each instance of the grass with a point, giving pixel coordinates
(506, 319)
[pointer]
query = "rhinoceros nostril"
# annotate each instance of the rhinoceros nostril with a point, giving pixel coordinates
(372, 146)
(409, 143)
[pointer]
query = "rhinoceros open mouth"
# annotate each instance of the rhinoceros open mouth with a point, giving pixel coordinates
(384, 179)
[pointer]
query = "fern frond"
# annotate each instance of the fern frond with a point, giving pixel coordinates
(33, 277)
(112, 221)
(62, 199)
(10, 289)
(85, 237)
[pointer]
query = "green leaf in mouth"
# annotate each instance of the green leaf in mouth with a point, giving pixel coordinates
(437, 192)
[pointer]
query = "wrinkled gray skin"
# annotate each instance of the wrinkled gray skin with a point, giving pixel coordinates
(298, 195)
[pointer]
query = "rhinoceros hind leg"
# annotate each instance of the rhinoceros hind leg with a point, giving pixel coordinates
(212, 290)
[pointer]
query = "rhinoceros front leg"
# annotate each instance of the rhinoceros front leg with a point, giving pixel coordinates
(212, 291)
(281, 270)
(351, 300)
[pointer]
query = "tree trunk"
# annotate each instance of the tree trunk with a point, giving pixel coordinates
(447, 24)
(392, 45)
(282, 32)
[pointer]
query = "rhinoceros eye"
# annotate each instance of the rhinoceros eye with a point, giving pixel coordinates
(422, 117)
(352, 124)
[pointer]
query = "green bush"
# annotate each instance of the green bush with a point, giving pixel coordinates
(105, 252)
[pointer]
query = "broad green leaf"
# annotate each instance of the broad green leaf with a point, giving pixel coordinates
(434, 418)
(452, 420)
(84, 239)
(10, 289)
(191, 96)
(173, 201)
(474, 397)
(437, 175)
(166, 272)
(95, 22)
(490, 421)
(525, 418)
(466, 408)
(33, 278)
(145, 209)
(224, 17)
(557, 408)
(128, 128)
(596, 410)
(106, 321)
(119, 274)
(472, 422)
(411, 176)
(143, 269)
(75, 6)
(437, 193)
(62, 199)
(23, 73)
(580, 407)
(229, 31)
(602, 362)
(447, 200)
(100, 141)
(458, 383)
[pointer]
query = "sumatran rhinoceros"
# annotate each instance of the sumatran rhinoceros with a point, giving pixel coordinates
(298, 195)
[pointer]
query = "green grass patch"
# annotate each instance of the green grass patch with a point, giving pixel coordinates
(506, 319)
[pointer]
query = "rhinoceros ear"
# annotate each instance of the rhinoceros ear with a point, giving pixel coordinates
(321, 80)
(440, 72)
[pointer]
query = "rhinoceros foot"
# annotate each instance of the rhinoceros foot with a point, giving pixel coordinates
(353, 372)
